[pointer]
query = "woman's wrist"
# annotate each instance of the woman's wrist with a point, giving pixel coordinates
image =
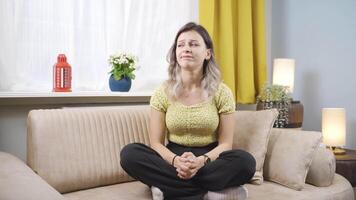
(204, 159)
(201, 160)
(173, 159)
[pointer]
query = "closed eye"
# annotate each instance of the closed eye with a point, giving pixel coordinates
(194, 43)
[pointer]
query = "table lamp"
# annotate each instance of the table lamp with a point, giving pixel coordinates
(283, 74)
(334, 128)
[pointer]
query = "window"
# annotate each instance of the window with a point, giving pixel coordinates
(34, 32)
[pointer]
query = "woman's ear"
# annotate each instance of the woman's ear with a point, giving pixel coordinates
(208, 54)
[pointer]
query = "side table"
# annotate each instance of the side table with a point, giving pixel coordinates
(346, 166)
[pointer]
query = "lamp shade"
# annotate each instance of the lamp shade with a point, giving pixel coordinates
(334, 126)
(283, 72)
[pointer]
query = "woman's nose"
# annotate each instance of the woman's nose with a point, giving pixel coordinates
(187, 49)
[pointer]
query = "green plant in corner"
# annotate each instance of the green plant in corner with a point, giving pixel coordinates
(276, 96)
(274, 93)
(123, 65)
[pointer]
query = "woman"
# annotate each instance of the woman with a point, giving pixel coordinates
(197, 110)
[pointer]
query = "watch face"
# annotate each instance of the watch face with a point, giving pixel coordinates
(207, 159)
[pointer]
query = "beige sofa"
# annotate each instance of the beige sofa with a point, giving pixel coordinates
(73, 154)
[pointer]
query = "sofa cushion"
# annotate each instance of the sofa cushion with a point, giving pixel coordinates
(289, 155)
(75, 149)
(322, 169)
(339, 190)
(252, 130)
(124, 191)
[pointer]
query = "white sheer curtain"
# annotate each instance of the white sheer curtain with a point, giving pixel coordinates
(34, 32)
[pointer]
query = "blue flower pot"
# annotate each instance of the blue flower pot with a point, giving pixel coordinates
(122, 85)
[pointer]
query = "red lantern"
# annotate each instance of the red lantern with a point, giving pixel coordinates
(62, 75)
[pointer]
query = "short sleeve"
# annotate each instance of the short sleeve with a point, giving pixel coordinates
(224, 99)
(159, 100)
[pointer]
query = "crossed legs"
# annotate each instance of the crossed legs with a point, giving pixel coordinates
(231, 168)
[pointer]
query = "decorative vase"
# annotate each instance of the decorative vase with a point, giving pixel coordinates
(290, 114)
(122, 85)
(295, 116)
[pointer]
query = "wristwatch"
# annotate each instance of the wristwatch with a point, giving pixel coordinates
(207, 159)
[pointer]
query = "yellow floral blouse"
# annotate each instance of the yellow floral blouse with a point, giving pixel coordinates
(195, 125)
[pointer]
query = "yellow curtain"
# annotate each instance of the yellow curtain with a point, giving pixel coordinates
(237, 28)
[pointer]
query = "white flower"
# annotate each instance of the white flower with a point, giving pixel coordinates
(123, 65)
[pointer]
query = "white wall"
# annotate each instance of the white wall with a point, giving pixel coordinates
(13, 130)
(321, 36)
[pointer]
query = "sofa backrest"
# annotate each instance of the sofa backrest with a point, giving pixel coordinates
(78, 148)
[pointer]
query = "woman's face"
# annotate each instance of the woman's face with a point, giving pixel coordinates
(191, 51)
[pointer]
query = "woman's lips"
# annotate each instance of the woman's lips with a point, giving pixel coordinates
(186, 57)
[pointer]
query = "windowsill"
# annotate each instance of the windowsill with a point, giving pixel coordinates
(87, 97)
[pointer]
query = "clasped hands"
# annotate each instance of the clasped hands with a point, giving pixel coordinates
(187, 165)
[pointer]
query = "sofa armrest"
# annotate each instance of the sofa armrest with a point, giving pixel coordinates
(18, 181)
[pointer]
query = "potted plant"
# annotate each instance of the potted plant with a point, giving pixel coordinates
(123, 66)
(275, 96)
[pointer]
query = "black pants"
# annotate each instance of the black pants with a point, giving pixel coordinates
(231, 168)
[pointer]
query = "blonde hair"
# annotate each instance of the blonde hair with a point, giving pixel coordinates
(211, 71)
